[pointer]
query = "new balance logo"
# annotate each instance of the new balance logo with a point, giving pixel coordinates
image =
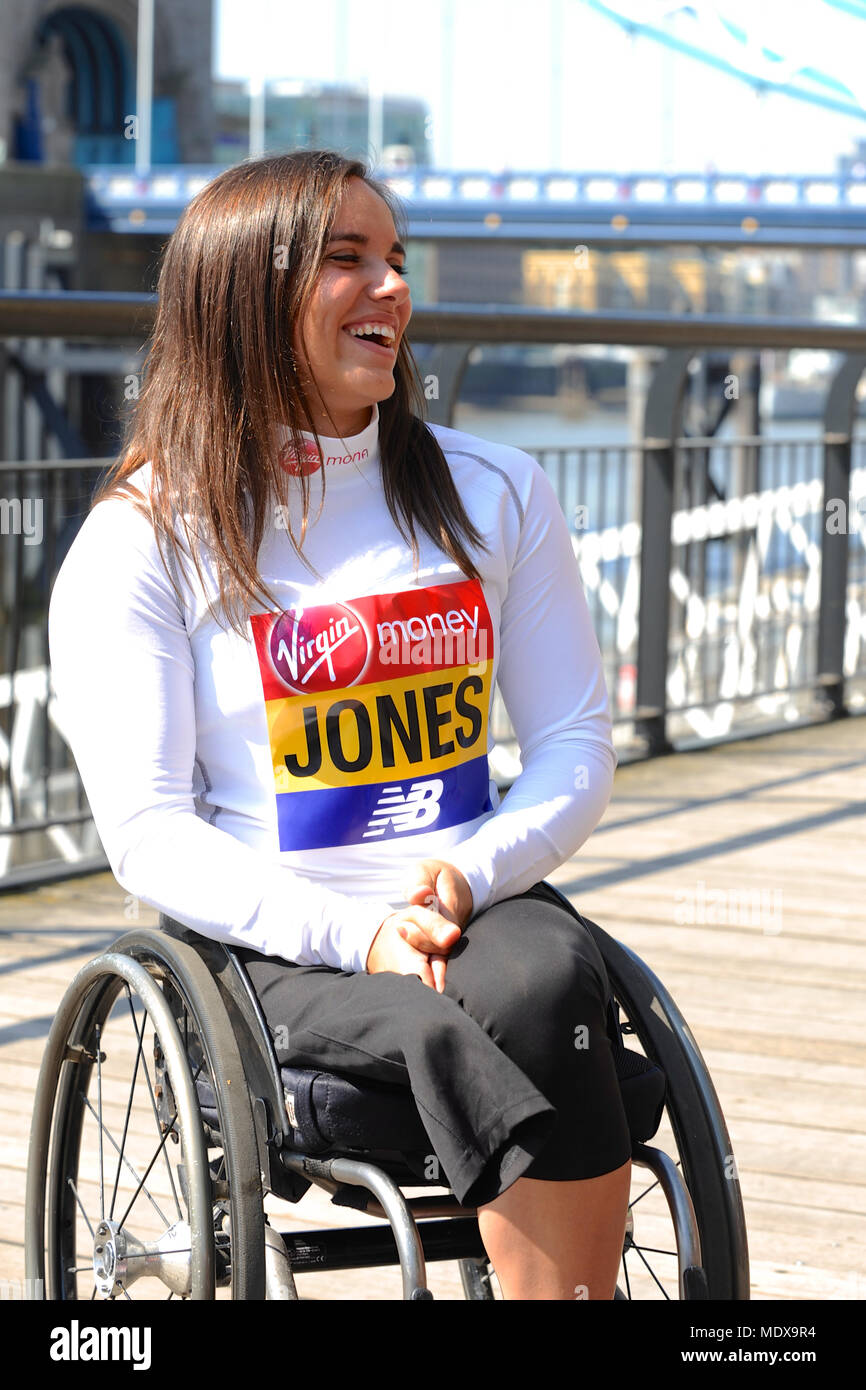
(419, 807)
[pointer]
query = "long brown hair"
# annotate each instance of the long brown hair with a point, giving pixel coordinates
(221, 373)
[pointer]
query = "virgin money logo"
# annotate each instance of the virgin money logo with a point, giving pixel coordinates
(322, 648)
(308, 463)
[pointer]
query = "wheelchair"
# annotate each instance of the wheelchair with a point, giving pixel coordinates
(163, 1121)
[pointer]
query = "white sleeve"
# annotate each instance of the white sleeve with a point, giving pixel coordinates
(551, 680)
(123, 673)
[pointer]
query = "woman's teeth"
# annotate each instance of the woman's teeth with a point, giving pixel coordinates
(368, 330)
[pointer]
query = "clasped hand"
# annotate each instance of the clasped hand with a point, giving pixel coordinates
(417, 939)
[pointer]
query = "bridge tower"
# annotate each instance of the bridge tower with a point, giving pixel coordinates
(67, 81)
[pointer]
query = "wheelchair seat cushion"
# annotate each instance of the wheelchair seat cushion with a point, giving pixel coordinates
(326, 1111)
(642, 1086)
(642, 1083)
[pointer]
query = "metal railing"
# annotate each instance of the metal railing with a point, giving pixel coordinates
(726, 576)
(747, 611)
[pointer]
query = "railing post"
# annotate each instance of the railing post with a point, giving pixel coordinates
(444, 370)
(838, 427)
(664, 404)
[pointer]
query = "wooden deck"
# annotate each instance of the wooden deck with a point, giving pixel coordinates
(739, 874)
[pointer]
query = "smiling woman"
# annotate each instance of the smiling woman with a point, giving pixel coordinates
(309, 775)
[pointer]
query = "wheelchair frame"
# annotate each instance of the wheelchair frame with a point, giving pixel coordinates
(225, 1235)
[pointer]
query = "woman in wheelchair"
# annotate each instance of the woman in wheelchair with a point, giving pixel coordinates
(274, 643)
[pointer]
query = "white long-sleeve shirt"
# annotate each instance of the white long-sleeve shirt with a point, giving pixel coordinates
(274, 791)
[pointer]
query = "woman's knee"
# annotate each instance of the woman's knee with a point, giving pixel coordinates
(531, 975)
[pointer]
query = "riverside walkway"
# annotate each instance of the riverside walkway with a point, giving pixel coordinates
(739, 874)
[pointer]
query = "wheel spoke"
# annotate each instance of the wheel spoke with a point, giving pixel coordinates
(160, 1149)
(649, 1189)
(81, 1205)
(651, 1250)
(156, 1117)
(651, 1271)
(140, 1039)
(644, 1193)
(127, 1163)
(99, 1104)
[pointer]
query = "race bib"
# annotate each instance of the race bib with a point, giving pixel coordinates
(377, 714)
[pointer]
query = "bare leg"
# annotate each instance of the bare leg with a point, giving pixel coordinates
(553, 1240)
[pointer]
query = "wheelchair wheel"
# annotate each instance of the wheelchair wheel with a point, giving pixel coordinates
(692, 1141)
(144, 1179)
